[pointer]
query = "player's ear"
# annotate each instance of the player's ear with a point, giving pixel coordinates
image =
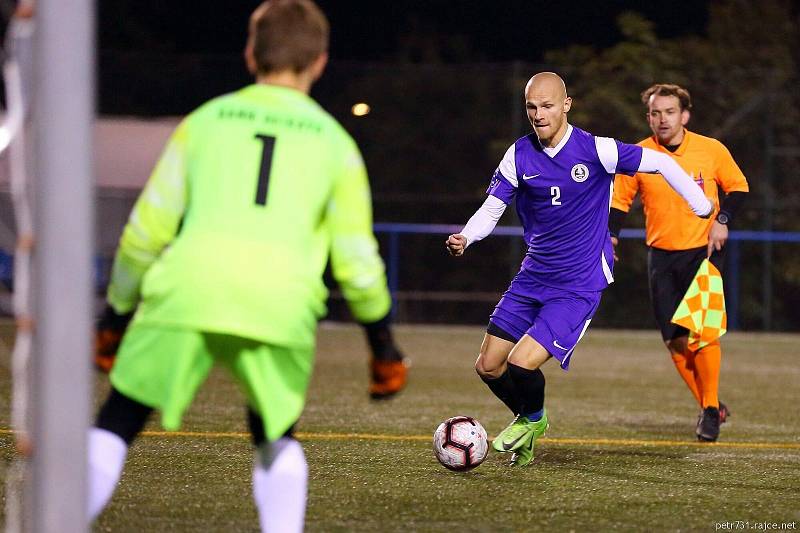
(318, 66)
(567, 104)
(250, 57)
(685, 116)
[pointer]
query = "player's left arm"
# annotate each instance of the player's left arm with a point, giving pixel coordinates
(355, 262)
(152, 225)
(656, 162)
(619, 160)
(730, 178)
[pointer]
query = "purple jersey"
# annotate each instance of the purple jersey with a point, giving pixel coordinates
(563, 196)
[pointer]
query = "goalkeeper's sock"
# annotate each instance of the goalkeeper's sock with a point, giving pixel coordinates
(107, 452)
(503, 387)
(684, 364)
(707, 362)
(280, 478)
(529, 385)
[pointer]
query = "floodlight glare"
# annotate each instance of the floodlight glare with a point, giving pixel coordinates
(360, 109)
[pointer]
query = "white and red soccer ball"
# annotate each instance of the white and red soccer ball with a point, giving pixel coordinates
(460, 443)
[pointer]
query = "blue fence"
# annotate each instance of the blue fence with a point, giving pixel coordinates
(732, 276)
(394, 232)
(101, 266)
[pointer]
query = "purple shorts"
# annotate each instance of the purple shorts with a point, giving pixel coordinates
(555, 318)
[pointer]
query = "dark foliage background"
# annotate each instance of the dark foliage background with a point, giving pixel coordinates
(444, 109)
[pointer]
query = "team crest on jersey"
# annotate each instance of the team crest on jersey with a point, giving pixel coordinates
(699, 180)
(495, 180)
(580, 173)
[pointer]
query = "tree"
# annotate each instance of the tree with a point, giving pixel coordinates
(743, 78)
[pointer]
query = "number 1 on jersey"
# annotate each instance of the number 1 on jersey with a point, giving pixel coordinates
(555, 193)
(267, 145)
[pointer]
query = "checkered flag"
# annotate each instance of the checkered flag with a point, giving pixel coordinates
(702, 310)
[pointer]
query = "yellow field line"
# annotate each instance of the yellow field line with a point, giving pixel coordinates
(556, 441)
(564, 441)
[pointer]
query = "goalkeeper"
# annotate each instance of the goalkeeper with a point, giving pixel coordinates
(224, 254)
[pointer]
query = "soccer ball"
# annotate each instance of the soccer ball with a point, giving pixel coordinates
(460, 443)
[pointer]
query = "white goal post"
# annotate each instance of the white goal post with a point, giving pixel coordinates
(59, 393)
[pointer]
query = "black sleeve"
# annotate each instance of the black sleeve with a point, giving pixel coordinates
(110, 320)
(380, 339)
(616, 218)
(731, 204)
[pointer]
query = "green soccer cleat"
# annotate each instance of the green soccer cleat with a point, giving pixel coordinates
(518, 433)
(524, 455)
(514, 435)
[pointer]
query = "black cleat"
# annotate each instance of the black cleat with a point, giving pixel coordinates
(708, 425)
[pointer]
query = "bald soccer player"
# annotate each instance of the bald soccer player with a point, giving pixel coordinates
(679, 242)
(224, 254)
(561, 178)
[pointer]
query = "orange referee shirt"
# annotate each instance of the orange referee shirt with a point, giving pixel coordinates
(669, 222)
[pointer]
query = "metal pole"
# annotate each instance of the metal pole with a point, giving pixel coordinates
(63, 113)
(769, 207)
(732, 284)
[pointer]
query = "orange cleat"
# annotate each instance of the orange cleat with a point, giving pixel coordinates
(387, 378)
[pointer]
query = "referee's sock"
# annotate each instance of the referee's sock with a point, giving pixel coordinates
(707, 361)
(684, 364)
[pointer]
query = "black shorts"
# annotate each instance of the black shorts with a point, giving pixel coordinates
(669, 275)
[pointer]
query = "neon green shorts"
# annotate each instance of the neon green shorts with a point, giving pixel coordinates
(164, 367)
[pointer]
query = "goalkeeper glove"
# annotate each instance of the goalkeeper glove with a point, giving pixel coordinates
(388, 366)
(108, 335)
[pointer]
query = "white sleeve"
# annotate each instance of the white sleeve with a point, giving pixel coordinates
(663, 164)
(607, 152)
(484, 220)
(508, 166)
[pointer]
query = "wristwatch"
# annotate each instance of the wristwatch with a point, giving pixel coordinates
(722, 218)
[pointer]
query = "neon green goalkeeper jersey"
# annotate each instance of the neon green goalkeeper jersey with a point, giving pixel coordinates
(233, 230)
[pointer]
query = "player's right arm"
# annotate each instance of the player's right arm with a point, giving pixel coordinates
(479, 226)
(152, 225)
(501, 191)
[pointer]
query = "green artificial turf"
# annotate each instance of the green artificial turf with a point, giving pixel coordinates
(620, 453)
